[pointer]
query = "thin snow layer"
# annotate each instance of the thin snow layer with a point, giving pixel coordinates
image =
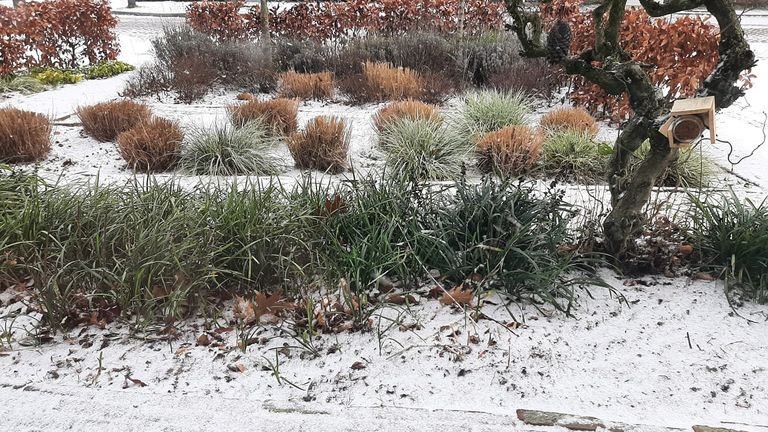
(741, 128)
(674, 354)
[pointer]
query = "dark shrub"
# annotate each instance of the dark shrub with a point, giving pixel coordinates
(483, 55)
(189, 63)
(191, 78)
(300, 55)
(532, 76)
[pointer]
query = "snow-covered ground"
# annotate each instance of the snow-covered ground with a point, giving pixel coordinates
(675, 354)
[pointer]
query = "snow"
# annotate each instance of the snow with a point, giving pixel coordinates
(675, 354)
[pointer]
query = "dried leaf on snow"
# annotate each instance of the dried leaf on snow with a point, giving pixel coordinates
(457, 296)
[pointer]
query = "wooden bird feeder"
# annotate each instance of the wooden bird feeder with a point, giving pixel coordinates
(688, 120)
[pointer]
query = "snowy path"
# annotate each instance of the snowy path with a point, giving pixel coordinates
(57, 408)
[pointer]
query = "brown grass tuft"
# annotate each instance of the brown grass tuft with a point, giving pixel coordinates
(24, 136)
(322, 145)
(306, 85)
(105, 121)
(510, 150)
(152, 145)
(383, 82)
(391, 83)
(570, 119)
(409, 109)
(279, 115)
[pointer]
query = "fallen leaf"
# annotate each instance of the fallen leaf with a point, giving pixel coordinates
(400, 299)
(244, 310)
(457, 296)
(138, 382)
(274, 304)
(245, 96)
(222, 330)
(685, 249)
(203, 340)
(358, 365)
(704, 276)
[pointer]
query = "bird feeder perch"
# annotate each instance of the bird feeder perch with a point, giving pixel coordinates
(688, 120)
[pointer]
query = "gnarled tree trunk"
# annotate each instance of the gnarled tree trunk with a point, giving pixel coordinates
(621, 74)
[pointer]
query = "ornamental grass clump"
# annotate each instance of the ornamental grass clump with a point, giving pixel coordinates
(318, 86)
(731, 234)
(24, 136)
(380, 82)
(322, 145)
(422, 149)
(574, 155)
(691, 169)
(512, 150)
(106, 120)
(152, 145)
(570, 119)
(490, 110)
(278, 115)
(408, 109)
(227, 151)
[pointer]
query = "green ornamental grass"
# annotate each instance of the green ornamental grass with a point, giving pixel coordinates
(490, 110)
(226, 151)
(422, 149)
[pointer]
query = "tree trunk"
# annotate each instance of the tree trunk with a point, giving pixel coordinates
(16, 2)
(265, 20)
(631, 192)
(131, 4)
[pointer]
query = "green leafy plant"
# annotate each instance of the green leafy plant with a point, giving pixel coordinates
(52, 76)
(508, 235)
(226, 151)
(106, 69)
(731, 233)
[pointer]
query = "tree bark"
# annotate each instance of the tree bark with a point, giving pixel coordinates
(131, 4)
(619, 75)
(265, 20)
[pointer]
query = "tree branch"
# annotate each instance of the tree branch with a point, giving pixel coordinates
(522, 19)
(656, 9)
(735, 56)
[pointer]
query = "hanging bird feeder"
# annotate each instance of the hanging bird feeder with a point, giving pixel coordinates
(688, 119)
